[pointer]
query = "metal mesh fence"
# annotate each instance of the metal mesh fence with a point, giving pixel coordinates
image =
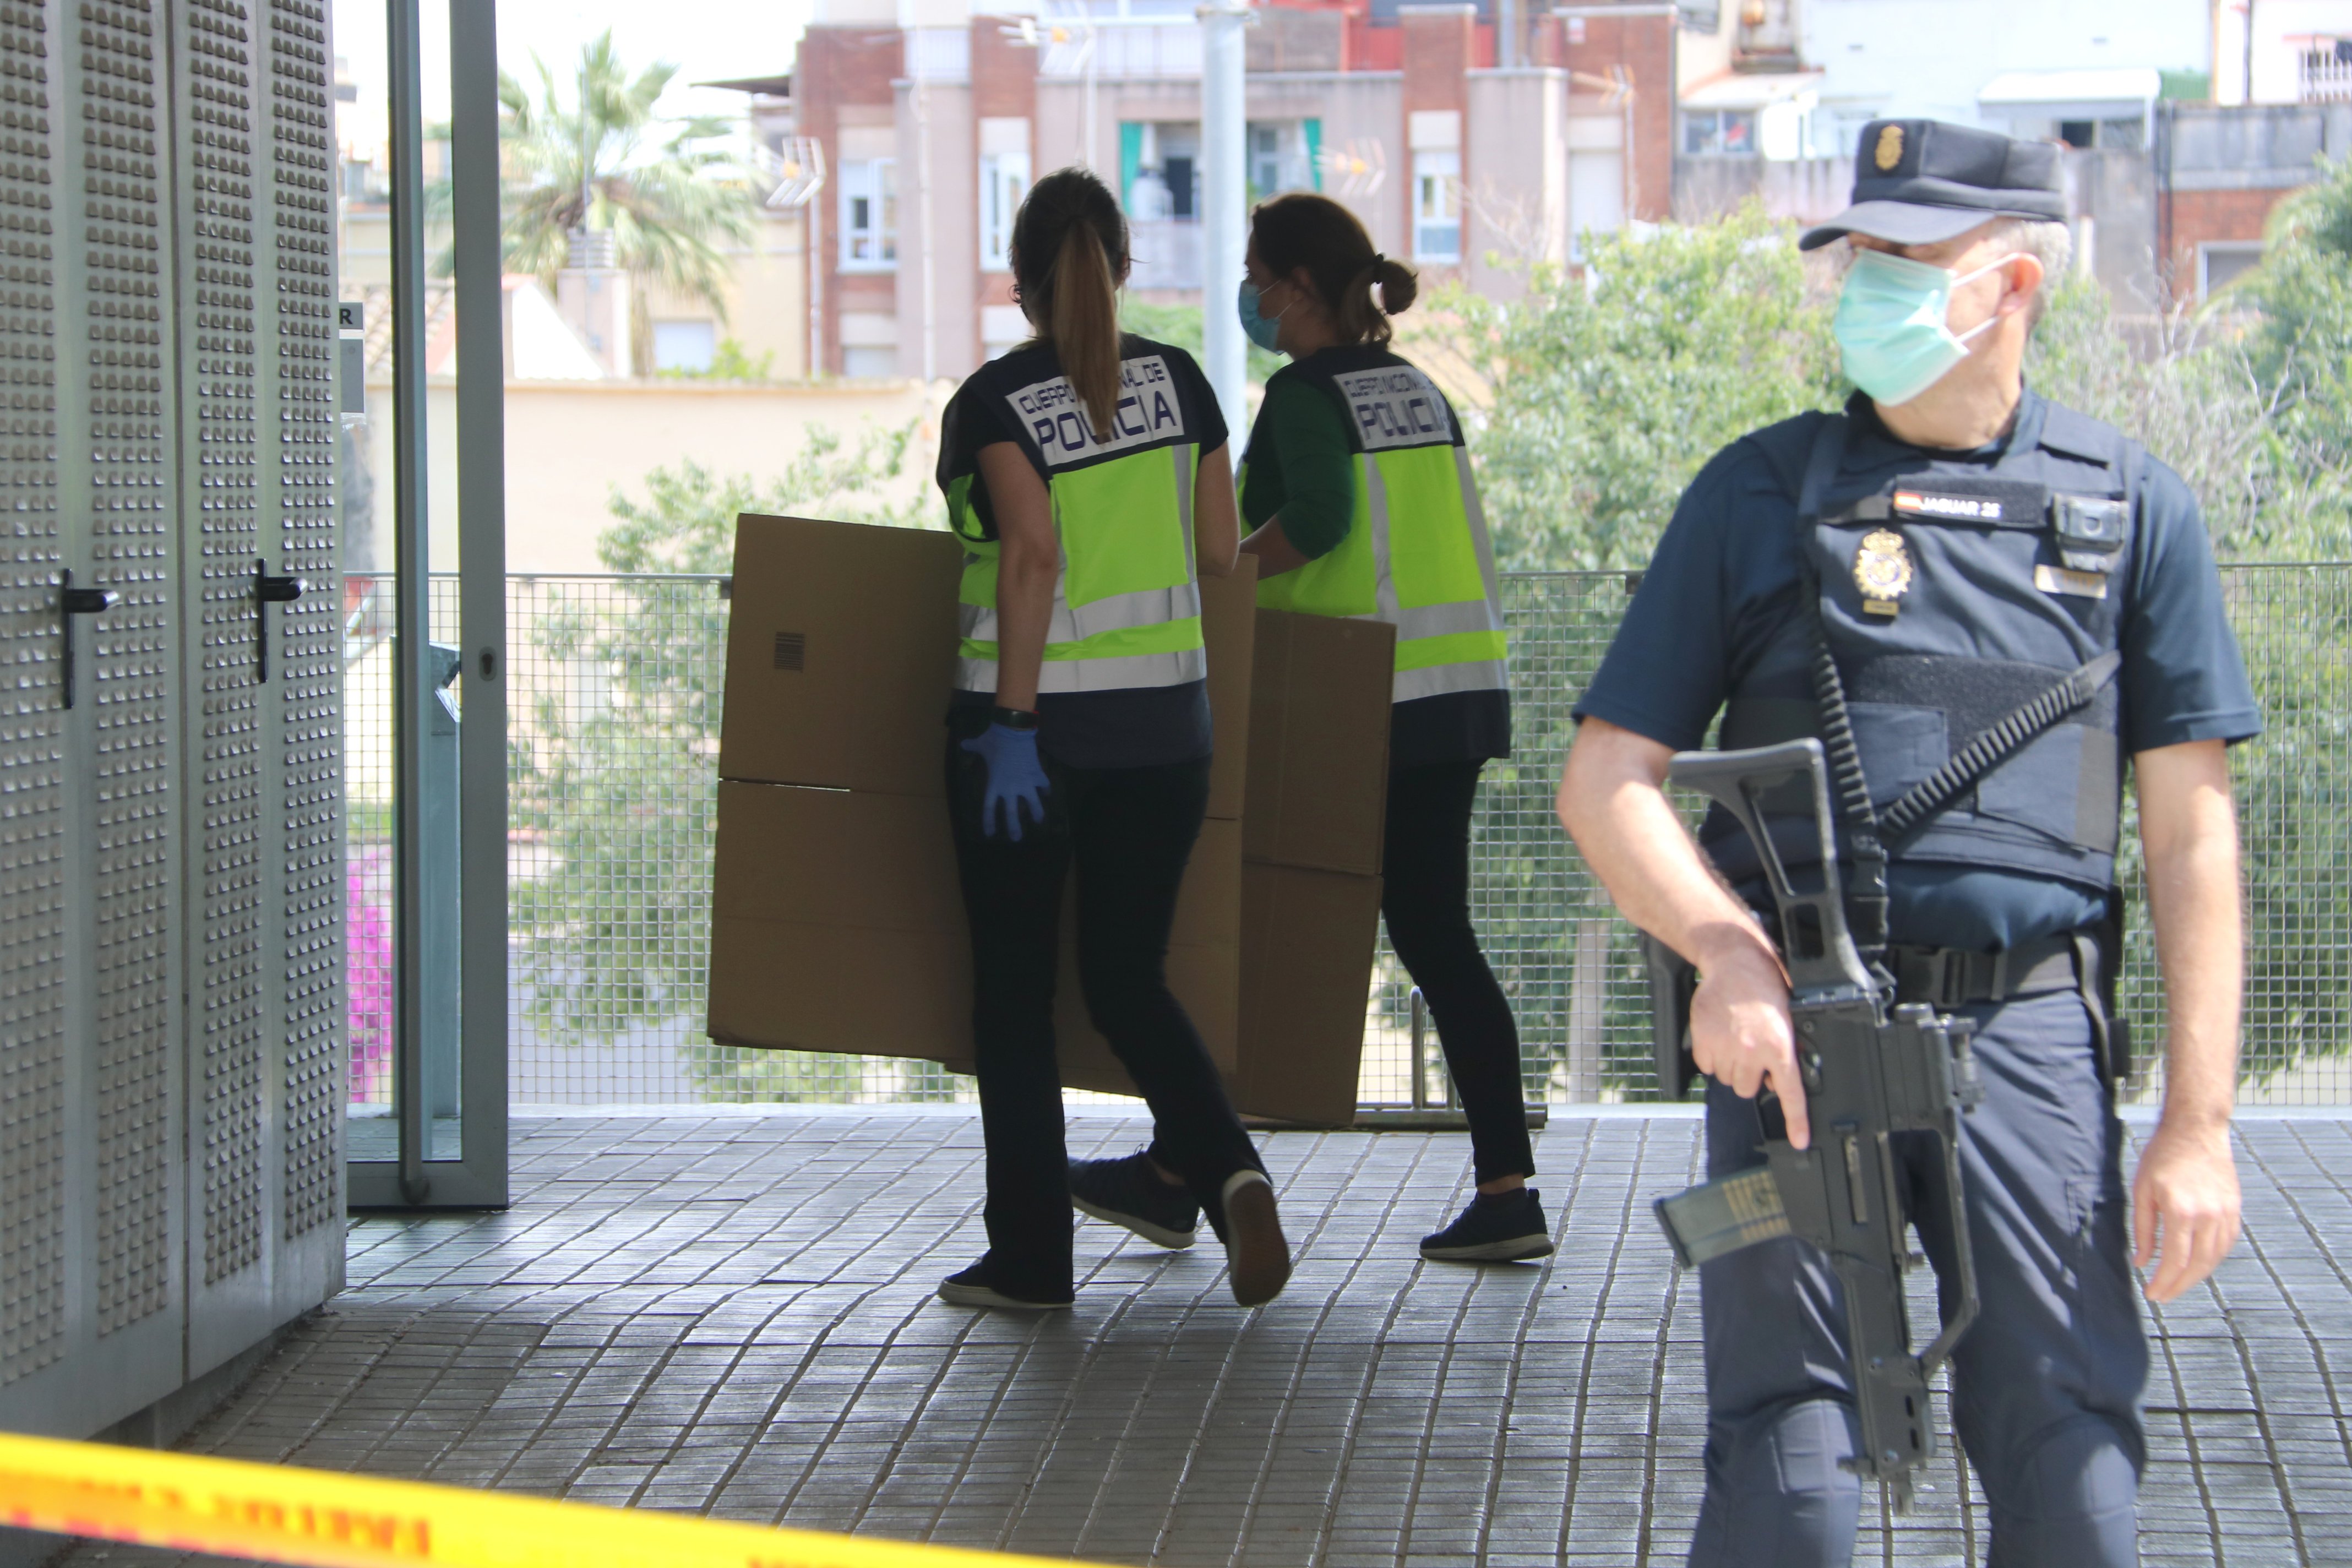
(616, 685)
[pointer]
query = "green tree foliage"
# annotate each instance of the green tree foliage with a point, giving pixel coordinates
(1608, 391)
(1612, 385)
(592, 152)
(616, 795)
(2191, 387)
(2299, 349)
(730, 361)
(687, 521)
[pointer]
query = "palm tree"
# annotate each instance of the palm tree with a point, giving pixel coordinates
(666, 194)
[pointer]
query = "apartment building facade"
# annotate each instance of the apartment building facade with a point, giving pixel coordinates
(933, 118)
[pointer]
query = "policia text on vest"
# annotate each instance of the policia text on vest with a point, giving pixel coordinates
(1416, 552)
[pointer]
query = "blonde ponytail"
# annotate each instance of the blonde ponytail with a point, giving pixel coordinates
(1082, 323)
(1069, 255)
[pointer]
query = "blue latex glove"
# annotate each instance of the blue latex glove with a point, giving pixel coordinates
(1016, 777)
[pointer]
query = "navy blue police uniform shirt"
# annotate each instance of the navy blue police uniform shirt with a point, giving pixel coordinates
(1726, 577)
(1139, 727)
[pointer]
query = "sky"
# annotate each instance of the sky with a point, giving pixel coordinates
(707, 39)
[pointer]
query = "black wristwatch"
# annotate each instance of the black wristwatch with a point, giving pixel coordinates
(1013, 718)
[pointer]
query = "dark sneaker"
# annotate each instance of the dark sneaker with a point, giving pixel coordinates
(1257, 1255)
(973, 1287)
(1501, 1228)
(1129, 1193)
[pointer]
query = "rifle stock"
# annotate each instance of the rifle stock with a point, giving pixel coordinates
(1871, 1070)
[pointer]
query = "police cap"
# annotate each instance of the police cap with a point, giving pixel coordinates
(1920, 182)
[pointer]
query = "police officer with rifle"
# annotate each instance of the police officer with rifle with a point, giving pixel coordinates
(1936, 625)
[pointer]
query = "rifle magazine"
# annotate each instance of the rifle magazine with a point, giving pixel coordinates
(1723, 1217)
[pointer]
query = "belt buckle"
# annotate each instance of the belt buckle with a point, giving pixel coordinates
(1951, 978)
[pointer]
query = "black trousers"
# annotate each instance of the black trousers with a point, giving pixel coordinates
(1427, 906)
(2047, 1384)
(1129, 833)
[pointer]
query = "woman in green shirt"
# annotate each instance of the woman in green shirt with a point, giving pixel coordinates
(1356, 488)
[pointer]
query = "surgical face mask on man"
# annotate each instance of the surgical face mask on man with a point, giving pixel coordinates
(1261, 329)
(1891, 326)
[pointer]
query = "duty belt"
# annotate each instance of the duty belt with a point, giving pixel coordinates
(1948, 977)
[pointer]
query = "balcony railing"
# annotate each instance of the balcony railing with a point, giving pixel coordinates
(2324, 76)
(616, 686)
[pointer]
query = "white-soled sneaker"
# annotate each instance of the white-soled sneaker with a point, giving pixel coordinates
(1257, 1255)
(972, 1288)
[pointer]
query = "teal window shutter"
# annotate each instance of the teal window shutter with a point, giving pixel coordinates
(1313, 130)
(1130, 159)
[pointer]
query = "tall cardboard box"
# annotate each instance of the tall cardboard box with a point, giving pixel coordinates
(1313, 824)
(838, 917)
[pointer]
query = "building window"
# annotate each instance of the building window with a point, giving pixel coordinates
(1282, 155)
(2224, 263)
(1004, 180)
(2125, 132)
(869, 213)
(685, 346)
(1158, 164)
(1177, 169)
(1265, 161)
(1437, 206)
(1718, 132)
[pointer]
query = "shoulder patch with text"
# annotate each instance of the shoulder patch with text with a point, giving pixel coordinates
(1396, 406)
(1148, 412)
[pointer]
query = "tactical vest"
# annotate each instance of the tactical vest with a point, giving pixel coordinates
(1951, 594)
(1127, 600)
(1417, 554)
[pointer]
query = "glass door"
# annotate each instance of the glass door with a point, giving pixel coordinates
(420, 362)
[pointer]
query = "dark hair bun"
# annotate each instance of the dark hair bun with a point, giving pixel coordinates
(1398, 285)
(1308, 231)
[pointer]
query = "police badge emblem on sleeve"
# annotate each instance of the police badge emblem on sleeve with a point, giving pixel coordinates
(1881, 570)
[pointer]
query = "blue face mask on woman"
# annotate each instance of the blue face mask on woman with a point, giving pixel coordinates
(1891, 325)
(1261, 329)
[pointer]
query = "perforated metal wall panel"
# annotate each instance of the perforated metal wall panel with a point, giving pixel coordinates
(117, 160)
(171, 1019)
(219, 369)
(310, 701)
(32, 821)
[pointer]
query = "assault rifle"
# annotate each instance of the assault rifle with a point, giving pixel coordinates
(1871, 1070)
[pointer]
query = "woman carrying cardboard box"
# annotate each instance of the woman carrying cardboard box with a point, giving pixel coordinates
(1358, 489)
(1086, 473)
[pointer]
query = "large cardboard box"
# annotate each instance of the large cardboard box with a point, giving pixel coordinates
(838, 924)
(1312, 831)
(1319, 695)
(837, 921)
(837, 917)
(840, 649)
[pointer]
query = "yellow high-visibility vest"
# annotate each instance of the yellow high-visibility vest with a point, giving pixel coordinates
(1127, 600)
(1417, 554)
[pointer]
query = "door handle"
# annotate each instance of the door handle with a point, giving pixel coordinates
(269, 591)
(72, 602)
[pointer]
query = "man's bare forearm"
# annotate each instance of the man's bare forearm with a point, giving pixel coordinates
(2189, 826)
(1612, 802)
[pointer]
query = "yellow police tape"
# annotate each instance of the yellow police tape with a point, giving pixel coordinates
(276, 1514)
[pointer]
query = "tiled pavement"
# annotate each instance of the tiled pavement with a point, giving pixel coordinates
(733, 1313)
